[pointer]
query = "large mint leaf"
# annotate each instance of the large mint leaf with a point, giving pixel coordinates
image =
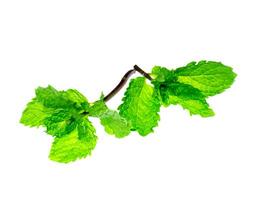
(35, 114)
(76, 145)
(141, 106)
(187, 96)
(209, 77)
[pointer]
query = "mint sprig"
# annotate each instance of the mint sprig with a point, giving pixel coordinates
(64, 114)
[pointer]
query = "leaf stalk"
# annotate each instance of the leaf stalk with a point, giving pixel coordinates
(124, 80)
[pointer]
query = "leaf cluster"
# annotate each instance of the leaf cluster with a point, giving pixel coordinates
(65, 114)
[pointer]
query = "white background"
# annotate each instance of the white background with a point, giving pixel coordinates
(89, 45)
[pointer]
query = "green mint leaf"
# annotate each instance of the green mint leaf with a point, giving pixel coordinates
(74, 96)
(85, 127)
(72, 146)
(209, 77)
(140, 106)
(35, 113)
(115, 124)
(162, 74)
(97, 109)
(112, 121)
(187, 96)
(60, 123)
(51, 98)
(54, 109)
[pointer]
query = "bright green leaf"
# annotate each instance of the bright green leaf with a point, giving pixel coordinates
(112, 121)
(141, 106)
(115, 124)
(60, 123)
(187, 96)
(98, 109)
(71, 147)
(51, 98)
(56, 110)
(85, 129)
(74, 96)
(209, 77)
(35, 113)
(162, 74)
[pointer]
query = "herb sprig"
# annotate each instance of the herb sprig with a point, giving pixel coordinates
(64, 114)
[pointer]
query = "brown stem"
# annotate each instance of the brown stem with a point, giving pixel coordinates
(125, 79)
(138, 69)
(120, 85)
